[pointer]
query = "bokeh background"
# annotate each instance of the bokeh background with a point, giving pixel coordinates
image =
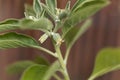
(105, 32)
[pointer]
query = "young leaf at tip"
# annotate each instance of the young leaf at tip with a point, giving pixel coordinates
(29, 11)
(37, 8)
(48, 11)
(52, 5)
(67, 7)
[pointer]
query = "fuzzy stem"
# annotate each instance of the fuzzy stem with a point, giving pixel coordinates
(46, 50)
(57, 77)
(63, 65)
(67, 55)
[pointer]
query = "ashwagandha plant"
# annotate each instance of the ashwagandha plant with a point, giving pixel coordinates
(49, 19)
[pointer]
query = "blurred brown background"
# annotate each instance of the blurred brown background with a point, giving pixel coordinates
(103, 33)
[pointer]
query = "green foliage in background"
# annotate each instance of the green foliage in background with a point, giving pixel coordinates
(46, 17)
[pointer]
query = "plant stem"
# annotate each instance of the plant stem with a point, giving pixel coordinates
(63, 65)
(65, 73)
(67, 55)
(60, 58)
(57, 77)
(46, 50)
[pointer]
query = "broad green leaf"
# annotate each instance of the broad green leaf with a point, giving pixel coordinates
(10, 21)
(35, 72)
(42, 61)
(42, 24)
(10, 24)
(40, 72)
(19, 67)
(29, 11)
(51, 71)
(107, 60)
(37, 7)
(14, 40)
(83, 12)
(75, 32)
(79, 3)
(52, 5)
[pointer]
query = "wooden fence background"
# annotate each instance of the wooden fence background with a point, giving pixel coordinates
(103, 33)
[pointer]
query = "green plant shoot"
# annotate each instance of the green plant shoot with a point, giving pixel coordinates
(49, 19)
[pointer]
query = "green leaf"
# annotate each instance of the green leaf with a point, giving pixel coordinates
(29, 11)
(75, 32)
(10, 24)
(42, 24)
(14, 40)
(10, 21)
(47, 10)
(79, 3)
(35, 72)
(51, 71)
(37, 8)
(83, 12)
(41, 60)
(52, 5)
(19, 67)
(40, 72)
(107, 60)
